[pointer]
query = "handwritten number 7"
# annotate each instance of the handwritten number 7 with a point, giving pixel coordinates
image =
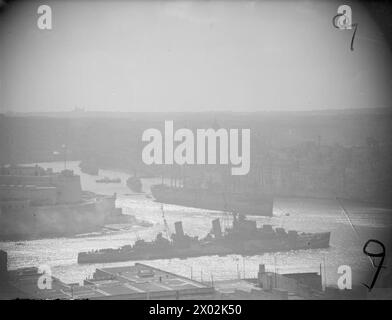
(355, 25)
(338, 23)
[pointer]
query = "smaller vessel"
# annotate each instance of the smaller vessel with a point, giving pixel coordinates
(135, 184)
(108, 180)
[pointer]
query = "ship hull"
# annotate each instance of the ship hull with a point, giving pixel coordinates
(259, 205)
(253, 247)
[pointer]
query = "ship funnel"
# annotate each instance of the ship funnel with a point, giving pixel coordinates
(216, 228)
(179, 230)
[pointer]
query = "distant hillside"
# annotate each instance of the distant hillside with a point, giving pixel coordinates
(321, 143)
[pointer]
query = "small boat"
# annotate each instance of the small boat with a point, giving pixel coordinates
(108, 180)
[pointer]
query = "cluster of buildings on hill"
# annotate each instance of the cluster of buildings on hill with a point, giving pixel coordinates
(39, 186)
(313, 170)
(327, 154)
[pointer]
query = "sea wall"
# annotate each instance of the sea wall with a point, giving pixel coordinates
(47, 221)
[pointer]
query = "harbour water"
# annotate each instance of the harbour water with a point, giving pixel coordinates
(351, 227)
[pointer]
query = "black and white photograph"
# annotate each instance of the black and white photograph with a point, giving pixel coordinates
(195, 150)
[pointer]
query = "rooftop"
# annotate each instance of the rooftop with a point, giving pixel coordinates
(132, 282)
(143, 279)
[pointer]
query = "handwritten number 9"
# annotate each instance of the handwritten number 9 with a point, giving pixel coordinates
(375, 255)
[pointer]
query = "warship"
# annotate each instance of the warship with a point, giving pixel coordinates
(243, 237)
(210, 199)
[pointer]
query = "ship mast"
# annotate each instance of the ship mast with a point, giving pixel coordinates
(165, 223)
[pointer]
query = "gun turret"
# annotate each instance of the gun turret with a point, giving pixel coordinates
(179, 229)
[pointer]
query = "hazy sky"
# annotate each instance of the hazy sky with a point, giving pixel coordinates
(190, 56)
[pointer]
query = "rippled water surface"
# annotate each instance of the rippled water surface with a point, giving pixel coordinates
(349, 230)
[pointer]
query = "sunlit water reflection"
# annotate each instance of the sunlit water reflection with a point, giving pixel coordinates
(348, 236)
